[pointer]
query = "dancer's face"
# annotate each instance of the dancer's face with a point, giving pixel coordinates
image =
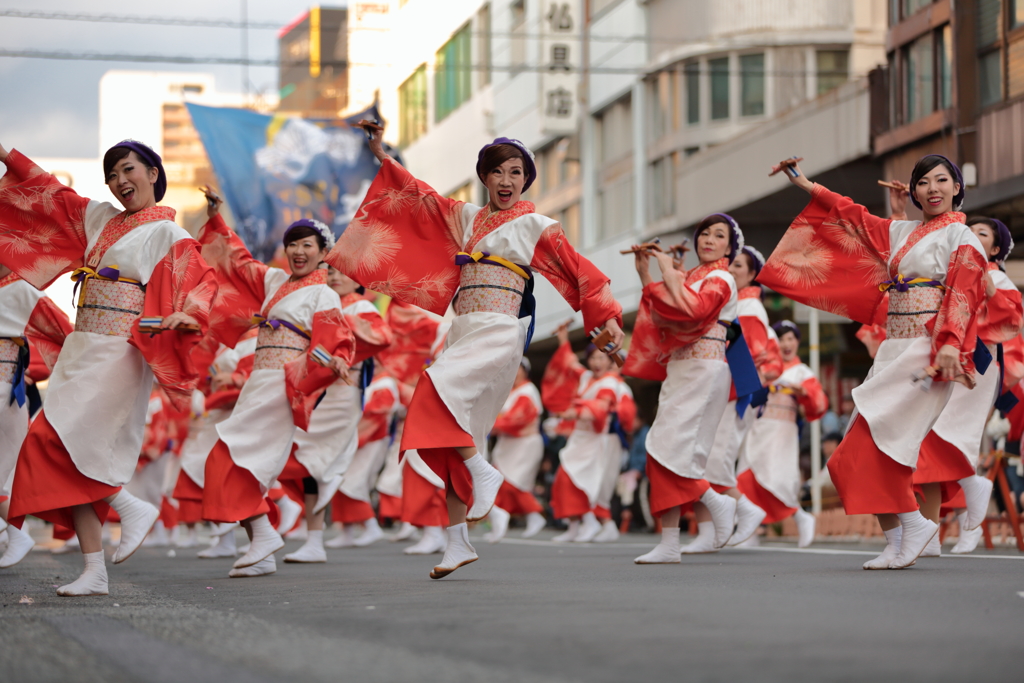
(599, 362)
(713, 243)
(741, 271)
(304, 255)
(789, 345)
(987, 236)
(341, 283)
(132, 183)
(935, 191)
(505, 184)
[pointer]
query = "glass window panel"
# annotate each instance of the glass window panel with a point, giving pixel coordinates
(752, 85)
(945, 68)
(988, 22)
(1017, 14)
(412, 104)
(920, 78)
(453, 75)
(693, 93)
(833, 69)
(719, 70)
(990, 78)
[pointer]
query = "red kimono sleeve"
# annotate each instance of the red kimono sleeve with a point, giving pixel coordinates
(814, 400)
(769, 363)
(1000, 319)
(241, 278)
(374, 424)
(832, 257)
(872, 335)
(626, 410)
(47, 328)
(561, 380)
(521, 415)
(1013, 363)
(403, 241)
(42, 223)
(304, 378)
(372, 335)
(581, 284)
(181, 282)
(598, 408)
(956, 323)
(671, 316)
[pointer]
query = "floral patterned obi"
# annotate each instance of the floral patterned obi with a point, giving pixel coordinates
(909, 311)
(781, 405)
(277, 346)
(486, 288)
(8, 360)
(709, 347)
(109, 307)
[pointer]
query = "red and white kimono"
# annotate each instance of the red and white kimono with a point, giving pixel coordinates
(951, 450)
(419, 247)
(85, 442)
(615, 450)
(680, 339)
(733, 428)
(324, 450)
(772, 450)
(519, 449)
(838, 257)
(295, 316)
(582, 461)
(351, 503)
(28, 320)
(210, 411)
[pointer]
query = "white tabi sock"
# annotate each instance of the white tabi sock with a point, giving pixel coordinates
(93, 580)
(311, 551)
(917, 532)
(589, 528)
(265, 541)
(406, 532)
(223, 547)
(268, 565)
(459, 552)
(343, 539)
(968, 540)
(977, 493)
(666, 552)
(893, 538)
(19, 544)
(705, 541)
(609, 532)
(805, 525)
(748, 518)
(570, 534)
(723, 514)
(486, 482)
(137, 518)
(433, 541)
(499, 524)
(371, 533)
(535, 523)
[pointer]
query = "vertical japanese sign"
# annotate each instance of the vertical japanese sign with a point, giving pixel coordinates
(561, 60)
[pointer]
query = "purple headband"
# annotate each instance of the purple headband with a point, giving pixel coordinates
(756, 259)
(958, 199)
(736, 242)
(321, 228)
(153, 159)
(528, 165)
(784, 326)
(1002, 235)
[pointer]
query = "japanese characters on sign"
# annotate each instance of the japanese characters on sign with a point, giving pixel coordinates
(561, 59)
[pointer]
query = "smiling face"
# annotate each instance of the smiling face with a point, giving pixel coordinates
(341, 283)
(789, 345)
(741, 271)
(713, 243)
(935, 191)
(304, 255)
(132, 183)
(599, 362)
(505, 184)
(987, 235)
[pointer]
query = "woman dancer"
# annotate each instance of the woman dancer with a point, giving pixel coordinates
(129, 263)
(680, 338)
(585, 400)
(739, 416)
(933, 271)
(773, 448)
(30, 325)
(950, 453)
(517, 454)
(410, 242)
(303, 347)
(324, 452)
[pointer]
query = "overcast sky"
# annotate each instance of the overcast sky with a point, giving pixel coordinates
(49, 108)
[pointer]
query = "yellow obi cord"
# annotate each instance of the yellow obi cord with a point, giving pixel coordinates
(462, 258)
(107, 273)
(902, 285)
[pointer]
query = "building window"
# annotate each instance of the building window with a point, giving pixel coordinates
(615, 130)
(570, 220)
(615, 207)
(990, 78)
(664, 104)
(988, 22)
(1017, 13)
(912, 6)
(692, 71)
(412, 107)
(719, 70)
(833, 69)
(919, 66)
(945, 67)
(453, 74)
(663, 175)
(752, 85)
(518, 42)
(483, 31)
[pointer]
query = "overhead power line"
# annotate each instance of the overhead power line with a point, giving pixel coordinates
(125, 19)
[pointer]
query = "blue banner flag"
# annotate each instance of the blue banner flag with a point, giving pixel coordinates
(273, 170)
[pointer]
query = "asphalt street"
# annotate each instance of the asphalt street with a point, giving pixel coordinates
(528, 610)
